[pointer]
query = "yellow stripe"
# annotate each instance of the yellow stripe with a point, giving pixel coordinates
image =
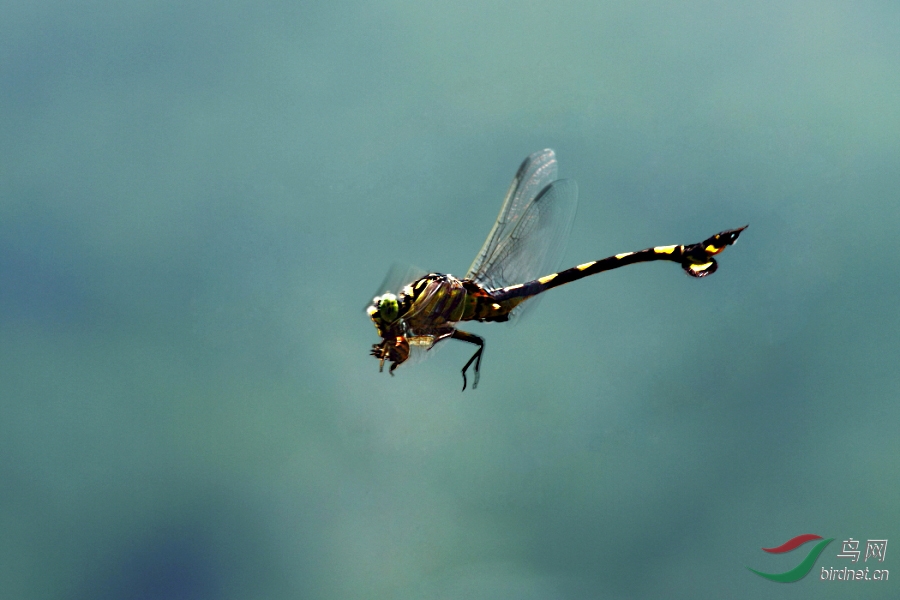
(586, 265)
(495, 306)
(624, 254)
(665, 249)
(547, 278)
(713, 249)
(702, 267)
(514, 287)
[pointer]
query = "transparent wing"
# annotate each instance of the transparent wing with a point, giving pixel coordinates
(421, 348)
(534, 174)
(535, 245)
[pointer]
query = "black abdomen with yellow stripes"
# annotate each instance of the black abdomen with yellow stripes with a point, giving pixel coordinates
(696, 260)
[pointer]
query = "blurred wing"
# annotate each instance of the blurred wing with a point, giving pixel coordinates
(397, 276)
(535, 173)
(421, 348)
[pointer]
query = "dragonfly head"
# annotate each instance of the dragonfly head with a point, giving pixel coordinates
(384, 311)
(388, 307)
(385, 314)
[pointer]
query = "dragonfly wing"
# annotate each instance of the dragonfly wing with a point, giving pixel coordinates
(534, 174)
(397, 276)
(535, 244)
(422, 347)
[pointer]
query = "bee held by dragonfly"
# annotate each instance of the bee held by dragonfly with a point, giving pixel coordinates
(526, 242)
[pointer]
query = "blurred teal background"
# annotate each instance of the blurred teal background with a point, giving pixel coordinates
(197, 199)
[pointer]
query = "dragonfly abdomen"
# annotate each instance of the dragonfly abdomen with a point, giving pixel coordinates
(696, 260)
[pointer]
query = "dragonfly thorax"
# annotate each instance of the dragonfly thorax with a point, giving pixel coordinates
(423, 313)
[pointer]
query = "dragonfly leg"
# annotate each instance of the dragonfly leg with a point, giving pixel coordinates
(476, 358)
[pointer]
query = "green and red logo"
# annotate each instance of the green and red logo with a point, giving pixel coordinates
(801, 570)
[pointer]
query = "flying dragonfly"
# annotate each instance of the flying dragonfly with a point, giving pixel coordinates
(526, 242)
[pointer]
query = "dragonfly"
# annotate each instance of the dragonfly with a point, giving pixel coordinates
(525, 243)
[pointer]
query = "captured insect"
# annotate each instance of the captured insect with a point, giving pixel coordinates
(527, 240)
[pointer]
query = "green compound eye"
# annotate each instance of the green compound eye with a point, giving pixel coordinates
(388, 308)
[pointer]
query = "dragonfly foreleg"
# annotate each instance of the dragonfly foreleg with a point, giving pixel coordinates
(476, 358)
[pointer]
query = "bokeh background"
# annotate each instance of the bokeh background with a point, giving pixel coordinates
(197, 200)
